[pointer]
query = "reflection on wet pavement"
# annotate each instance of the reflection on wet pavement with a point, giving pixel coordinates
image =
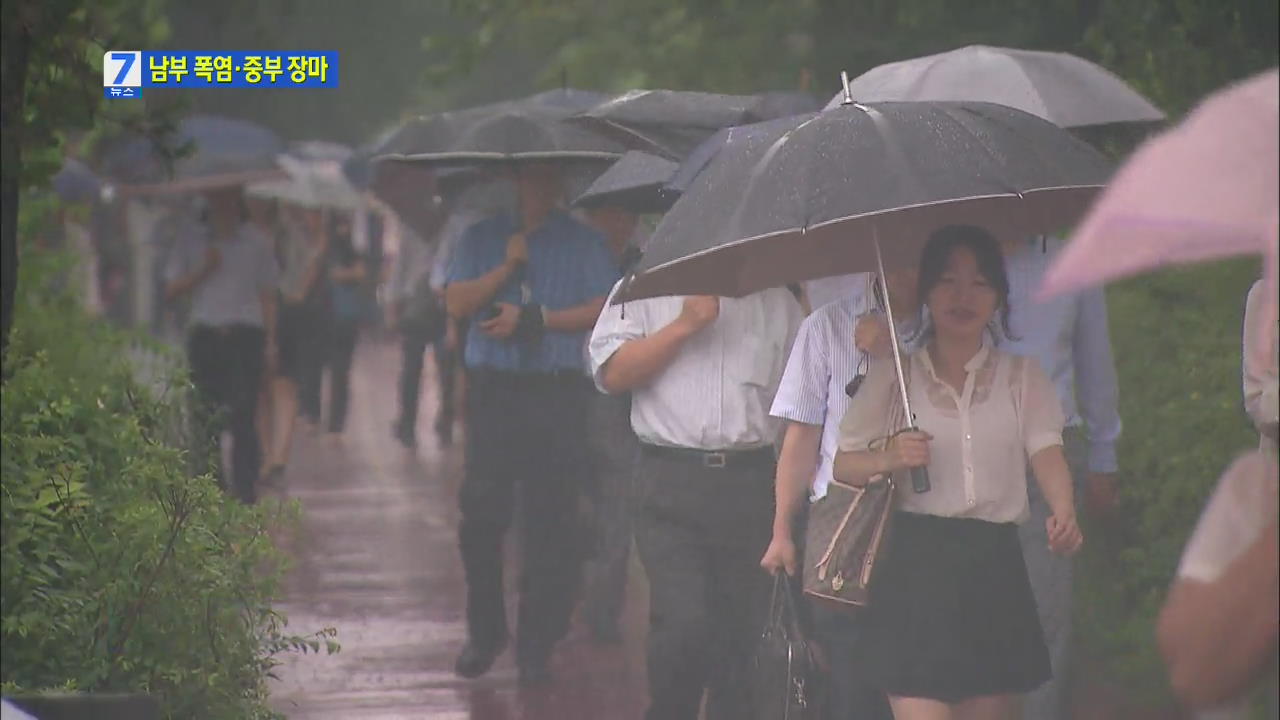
(376, 557)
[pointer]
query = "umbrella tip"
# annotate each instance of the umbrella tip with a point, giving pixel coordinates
(844, 83)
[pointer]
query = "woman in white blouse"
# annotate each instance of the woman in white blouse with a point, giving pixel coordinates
(952, 629)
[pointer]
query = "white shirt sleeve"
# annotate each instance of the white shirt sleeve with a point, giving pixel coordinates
(1039, 409)
(616, 326)
(1259, 376)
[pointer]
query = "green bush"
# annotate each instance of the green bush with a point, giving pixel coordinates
(119, 569)
(1177, 339)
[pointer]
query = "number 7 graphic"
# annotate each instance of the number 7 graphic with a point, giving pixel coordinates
(128, 58)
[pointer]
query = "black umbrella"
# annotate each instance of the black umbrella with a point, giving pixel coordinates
(518, 133)
(815, 199)
(672, 123)
(698, 159)
(803, 198)
(669, 123)
(634, 182)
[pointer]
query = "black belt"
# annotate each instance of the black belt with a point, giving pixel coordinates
(755, 457)
(486, 374)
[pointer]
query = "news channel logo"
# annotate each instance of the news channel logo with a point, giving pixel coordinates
(126, 72)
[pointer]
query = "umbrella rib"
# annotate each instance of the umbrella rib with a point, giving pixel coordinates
(758, 170)
(834, 221)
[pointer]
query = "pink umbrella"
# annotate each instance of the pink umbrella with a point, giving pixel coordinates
(1202, 191)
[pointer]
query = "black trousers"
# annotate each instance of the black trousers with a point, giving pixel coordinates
(701, 533)
(226, 368)
(341, 354)
(524, 450)
(414, 348)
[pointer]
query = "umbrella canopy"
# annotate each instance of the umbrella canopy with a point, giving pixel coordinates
(808, 197)
(668, 123)
(523, 132)
(672, 123)
(698, 159)
(1066, 90)
(634, 183)
(1204, 190)
(224, 151)
(439, 131)
(76, 183)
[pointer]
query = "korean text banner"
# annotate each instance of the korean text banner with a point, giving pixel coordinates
(204, 69)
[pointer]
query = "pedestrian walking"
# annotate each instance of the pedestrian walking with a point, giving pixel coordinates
(347, 273)
(702, 372)
(530, 286)
(230, 273)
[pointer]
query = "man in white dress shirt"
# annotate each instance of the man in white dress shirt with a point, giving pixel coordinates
(702, 372)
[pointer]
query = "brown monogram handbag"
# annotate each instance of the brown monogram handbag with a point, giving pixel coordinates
(847, 530)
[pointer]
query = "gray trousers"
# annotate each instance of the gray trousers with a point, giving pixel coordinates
(1051, 582)
(615, 463)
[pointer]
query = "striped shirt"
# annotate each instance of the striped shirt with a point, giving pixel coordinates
(715, 394)
(568, 266)
(823, 362)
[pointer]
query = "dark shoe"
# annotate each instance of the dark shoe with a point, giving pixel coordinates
(405, 435)
(475, 660)
(534, 673)
(273, 476)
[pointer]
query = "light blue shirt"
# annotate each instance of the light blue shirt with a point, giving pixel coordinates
(1069, 335)
(568, 266)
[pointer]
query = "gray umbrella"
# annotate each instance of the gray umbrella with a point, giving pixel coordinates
(806, 197)
(1066, 90)
(634, 183)
(223, 151)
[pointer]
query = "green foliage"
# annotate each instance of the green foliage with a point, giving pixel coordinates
(63, 90)
(1177, 338)
(119, 569)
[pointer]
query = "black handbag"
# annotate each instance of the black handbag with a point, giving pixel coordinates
(788, 681)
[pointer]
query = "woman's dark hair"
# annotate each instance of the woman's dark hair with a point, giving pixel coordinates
(986, 250)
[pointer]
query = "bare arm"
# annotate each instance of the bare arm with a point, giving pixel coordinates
(1217, 638)
(639, 361)
(858, 467)
(463, 298)
(797, 464)
(577, 318)
(1054, 478)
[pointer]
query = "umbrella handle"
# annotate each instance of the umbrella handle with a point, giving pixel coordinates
(920, 479)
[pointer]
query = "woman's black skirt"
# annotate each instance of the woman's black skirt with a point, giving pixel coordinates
(951, 614)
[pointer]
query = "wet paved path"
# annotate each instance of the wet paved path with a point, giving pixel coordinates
(376, 557)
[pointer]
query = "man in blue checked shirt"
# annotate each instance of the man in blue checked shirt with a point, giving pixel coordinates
(531, 287)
